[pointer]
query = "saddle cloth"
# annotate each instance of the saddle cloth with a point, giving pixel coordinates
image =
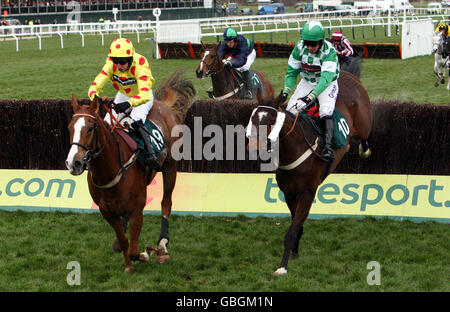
(135, 142)
(156, 137)
(256, 82)
(254, 78)
(341, 128)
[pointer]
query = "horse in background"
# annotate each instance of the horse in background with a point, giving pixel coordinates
(225, 84)
(441, 50)
(354, 67)
(117, 182)
(301, 169)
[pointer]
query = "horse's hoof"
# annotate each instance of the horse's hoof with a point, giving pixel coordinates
(116, 246)
(129, 269)
(280, 271)
(150, 250)
(362, 154)
(436, 84)
(442, 81)
(143, 257)
(162, 259)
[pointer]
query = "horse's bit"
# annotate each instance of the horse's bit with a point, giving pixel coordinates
(89, 154)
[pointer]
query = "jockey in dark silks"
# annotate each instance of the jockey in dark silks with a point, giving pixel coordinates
(238, 52)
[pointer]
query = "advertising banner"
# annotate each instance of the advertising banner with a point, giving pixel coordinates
(413, 197)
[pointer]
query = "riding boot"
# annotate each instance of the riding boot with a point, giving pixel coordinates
(247, 89)
(151, 160)
(328, 125)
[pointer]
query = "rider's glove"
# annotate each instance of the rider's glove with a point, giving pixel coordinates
(285, 96)
(121, 107)
(308, 100)
(227, 63)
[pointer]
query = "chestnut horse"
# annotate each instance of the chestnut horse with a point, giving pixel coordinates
(301, 169)
(224, 82)
(117, 182)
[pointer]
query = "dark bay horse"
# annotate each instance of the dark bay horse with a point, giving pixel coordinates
(300, 169)
(117, 183)
(224, 81)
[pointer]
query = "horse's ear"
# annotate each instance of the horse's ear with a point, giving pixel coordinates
(278, 101)
(94, 104)
(74, 103)
(217, 46)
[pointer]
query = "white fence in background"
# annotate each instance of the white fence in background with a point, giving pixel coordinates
(417, 38)
(256, 24)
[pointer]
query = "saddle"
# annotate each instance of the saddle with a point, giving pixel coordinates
(137, 145)
(311, 115)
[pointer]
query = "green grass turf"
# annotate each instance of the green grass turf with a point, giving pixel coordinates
(223, 254)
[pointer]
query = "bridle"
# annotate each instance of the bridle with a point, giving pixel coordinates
(89, 149)
(272, 137)
(212, 71)
(211, 68)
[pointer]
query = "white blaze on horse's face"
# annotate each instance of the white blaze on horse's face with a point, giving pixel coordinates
(202, 62)
(79, 125)
(276, 128)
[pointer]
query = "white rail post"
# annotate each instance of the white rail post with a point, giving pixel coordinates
(103, 37)
(62, 40)
(389, 23)
(157, 14)
(17, 43)
(40, 43)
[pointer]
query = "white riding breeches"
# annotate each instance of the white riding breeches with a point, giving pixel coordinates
(327, 99)
(250, 60)
(137, 113)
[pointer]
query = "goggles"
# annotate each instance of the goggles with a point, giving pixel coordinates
(120, 60)
(310, 43)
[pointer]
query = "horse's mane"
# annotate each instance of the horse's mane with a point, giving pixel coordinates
(176, 92)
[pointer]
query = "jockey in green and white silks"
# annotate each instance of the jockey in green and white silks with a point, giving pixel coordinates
(316, 61)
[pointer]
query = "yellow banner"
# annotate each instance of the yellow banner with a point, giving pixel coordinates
(401, 196)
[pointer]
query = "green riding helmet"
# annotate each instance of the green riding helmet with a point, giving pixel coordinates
(313, 31)
(230, 34)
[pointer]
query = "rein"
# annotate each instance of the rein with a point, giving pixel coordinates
(89, 155)
(311, 148)
(222, 68)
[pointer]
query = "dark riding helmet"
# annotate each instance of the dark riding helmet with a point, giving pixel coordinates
(230, 34)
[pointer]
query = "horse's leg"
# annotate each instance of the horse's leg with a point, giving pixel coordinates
(303, 205)
(294, 254)
(116, 224)
(291, 202)
(437, 72)
(169, 179)
(135, 230)
(448, 75)
(116, 246)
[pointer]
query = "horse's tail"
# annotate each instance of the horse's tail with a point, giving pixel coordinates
(176, 92)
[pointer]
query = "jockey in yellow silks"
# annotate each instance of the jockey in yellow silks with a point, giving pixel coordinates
(130, 74)
(442, 28)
